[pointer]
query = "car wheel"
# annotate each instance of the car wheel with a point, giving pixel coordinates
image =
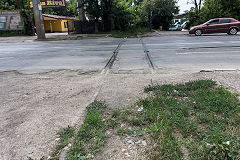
(233, 31)
(198, 32)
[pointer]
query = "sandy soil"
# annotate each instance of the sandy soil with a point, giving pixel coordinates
(35, 106)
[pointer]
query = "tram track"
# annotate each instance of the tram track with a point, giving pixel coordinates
(103, 75)
(148, 56)
(111, 61)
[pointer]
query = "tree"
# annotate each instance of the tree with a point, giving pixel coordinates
(70, 9)
(8, 5)
(214, 9)
(162, 12)
(197, 5)
(23, 7)
(211, 9)
(126, 14)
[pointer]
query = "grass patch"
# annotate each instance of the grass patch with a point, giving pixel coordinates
(91, 135)
(76, 37)
(203, 113)
(65, 135)
(4, 33)
(199, 116)
(129, 33)
(131, 132)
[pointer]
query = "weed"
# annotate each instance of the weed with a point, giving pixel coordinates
(136, 122)
(116, 113)
(201, 111)
(205, 117)
(65, 135)
(133, 32)
(91, 135)
(121, 132)
(131, 132)
(111, 123)
(166, 149)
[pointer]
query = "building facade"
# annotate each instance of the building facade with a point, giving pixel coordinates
(54, 23)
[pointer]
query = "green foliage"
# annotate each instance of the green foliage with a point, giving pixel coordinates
(193, 85)
(4, 33)
(206, 115)
(94, 8)
(27, 14)
(65, 135)
(220, 150)
(162, 12)
(70, 10)
(167, 148)
(91, 135)
(125, 15)
(8, 5)
(132, 132)
(214, 9)
(218, 100)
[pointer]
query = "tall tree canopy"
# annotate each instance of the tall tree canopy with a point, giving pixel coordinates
(70, 10)
(8, 5)
(115, 14)
(215, 9)
(161, 11)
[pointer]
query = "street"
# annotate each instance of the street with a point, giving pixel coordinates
(178, 53)
(46, 85)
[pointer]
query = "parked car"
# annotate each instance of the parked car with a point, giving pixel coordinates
(218, 25)
(175, 27)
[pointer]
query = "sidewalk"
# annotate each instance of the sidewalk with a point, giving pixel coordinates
(50, 36)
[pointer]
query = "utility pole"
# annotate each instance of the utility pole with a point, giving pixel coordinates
(37, 9)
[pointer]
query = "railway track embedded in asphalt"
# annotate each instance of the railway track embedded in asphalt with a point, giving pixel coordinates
(148, 56)
(104, 73)
(114, 56)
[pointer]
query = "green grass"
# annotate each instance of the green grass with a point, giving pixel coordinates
(129, 33)
(199, 116)
(205, 115)
(91, 135)
(89, 36)
(65, 135)
(11, 33)
(132, 132)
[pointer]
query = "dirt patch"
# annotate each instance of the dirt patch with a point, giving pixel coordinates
(34, 107)
(121, 90)
(127, 148)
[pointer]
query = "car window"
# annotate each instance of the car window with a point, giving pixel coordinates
(225, 20)
(214, 22)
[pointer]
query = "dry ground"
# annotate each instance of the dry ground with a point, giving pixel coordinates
(35, 106)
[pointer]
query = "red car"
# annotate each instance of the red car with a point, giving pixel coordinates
(218, 25)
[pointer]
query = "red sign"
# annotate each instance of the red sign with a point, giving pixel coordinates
(50, 3)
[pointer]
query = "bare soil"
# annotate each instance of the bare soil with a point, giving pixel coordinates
(35, 106)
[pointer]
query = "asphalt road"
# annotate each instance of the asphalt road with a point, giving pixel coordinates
(34, 107)
(169, 53)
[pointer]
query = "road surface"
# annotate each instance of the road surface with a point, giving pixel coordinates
(45, 86)
(181, 52)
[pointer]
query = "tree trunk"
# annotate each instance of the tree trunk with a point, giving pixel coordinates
(200, 5)
(107, 9)
(81, 13)
(196, 5)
